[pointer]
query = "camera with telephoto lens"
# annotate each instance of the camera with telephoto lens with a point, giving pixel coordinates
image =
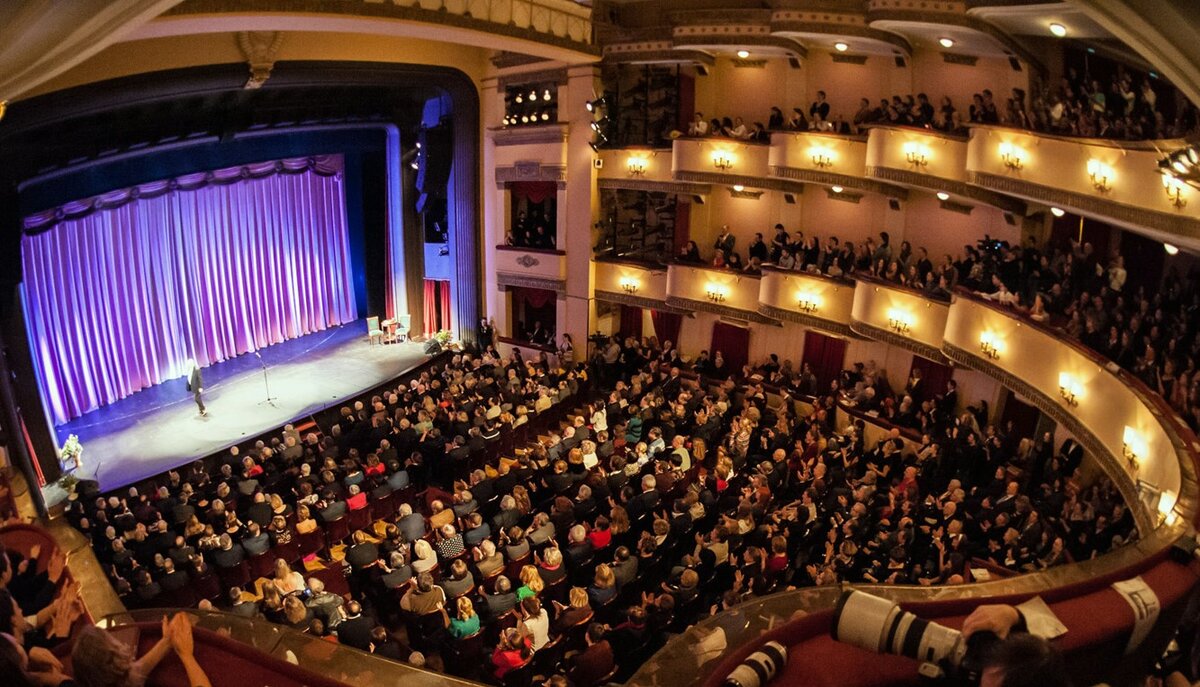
(759, 668)
(991, 246)
(879, 625)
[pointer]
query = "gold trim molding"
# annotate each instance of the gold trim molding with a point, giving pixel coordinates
(531, 171)
(639, 302)
(650, 186)
(559, 286)
(951, 186)
(548, 134)
(823, 178)
(719, 310)
(831, 326)
(922, 349)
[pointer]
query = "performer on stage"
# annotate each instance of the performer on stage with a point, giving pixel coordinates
(196, 384)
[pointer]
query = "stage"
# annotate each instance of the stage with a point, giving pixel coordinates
(160, 428)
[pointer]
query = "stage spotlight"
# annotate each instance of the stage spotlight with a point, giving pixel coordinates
(546, 95)
(593, 105)
(415, 164)
(418, 145)
(520, 99)
(595, 146)
(545, 116)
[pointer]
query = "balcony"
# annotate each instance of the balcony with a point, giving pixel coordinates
(899, 316)
(812, 300)
(1103, 179)
(553, 29)
(631, 283)
(721, 292)
(721, 161)
(531, 267)
(819, 158)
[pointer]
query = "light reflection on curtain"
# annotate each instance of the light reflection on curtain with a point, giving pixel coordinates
(117, 300)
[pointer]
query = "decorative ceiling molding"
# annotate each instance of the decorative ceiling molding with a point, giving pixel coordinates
(541, 76)
(763, 39)
(529, 135)
(717, 17)
(958, 188)
(823, 178)
(720, 310)
(835, 25)
(1087, 204)
(718, 179)
(1112, 465)
(924, 350)
(676, 187)
(665, 56)
(531, 171)
(509, 279)
(833, 327)
(505, 59)
(639, 302)
(260, 49)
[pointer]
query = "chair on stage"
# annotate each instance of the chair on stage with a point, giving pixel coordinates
(374, 333)
(405, 324)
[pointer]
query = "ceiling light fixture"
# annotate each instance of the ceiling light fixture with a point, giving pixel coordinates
(835, 189)
(739, 188)
(743, 54)
(1171, 249)
(942, 195)
(946, 42)
(1057, 212)
(1058, 29)
(841, 47)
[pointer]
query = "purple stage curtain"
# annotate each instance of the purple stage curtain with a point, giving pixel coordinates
(119, 297)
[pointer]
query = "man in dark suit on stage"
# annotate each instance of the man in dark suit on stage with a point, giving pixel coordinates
(195, 385)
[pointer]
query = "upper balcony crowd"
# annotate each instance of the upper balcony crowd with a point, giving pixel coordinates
(1126, 107)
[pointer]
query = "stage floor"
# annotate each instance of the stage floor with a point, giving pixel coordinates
(159, 428)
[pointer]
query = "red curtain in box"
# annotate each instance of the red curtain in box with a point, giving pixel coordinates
(437, 306)
(533, 191)
(825, 355)
(933, 377)
(683, 226)
(733, 342)
(666, 326)
(534, 298)
(631, 321)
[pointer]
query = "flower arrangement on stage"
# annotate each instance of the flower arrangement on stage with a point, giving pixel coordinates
(72, 451)
(439, 342)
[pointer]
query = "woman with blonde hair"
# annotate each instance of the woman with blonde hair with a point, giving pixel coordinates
(604, 585)
(521, 495)
(278, 507)
(424, 559)
(287, 580)
(531, 583)
(578, 610)
(305, 522)
(465, 621)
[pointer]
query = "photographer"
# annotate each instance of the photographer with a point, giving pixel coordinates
(1019, 658)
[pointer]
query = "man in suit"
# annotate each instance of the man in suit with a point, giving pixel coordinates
(195, 385)
(355, 630)
(230, 554)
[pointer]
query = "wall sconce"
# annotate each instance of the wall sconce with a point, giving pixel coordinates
(1174, 188)
(716, 293)
(1012, 156)
(900, 321)
(1069, 388)
(822, 157)
(630, 285)
(636, 164)
(916, 154)
(990, 345)
(808, 302)
(1133, 446)
(1166, 507)
(722, 160)
(1101, 175)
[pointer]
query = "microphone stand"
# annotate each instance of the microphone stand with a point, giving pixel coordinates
(269, 400)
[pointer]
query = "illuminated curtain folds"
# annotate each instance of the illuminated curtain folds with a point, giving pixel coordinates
(119, 296)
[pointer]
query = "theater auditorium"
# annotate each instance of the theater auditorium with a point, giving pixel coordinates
(589, 343)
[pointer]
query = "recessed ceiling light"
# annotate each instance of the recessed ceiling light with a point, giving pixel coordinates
(946, 42)
(1171, 249)
(942, 195)
(1058, 29)
(743, 54)
(835, 189)
(1057, 212)
(841, 47)
(739, 188)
